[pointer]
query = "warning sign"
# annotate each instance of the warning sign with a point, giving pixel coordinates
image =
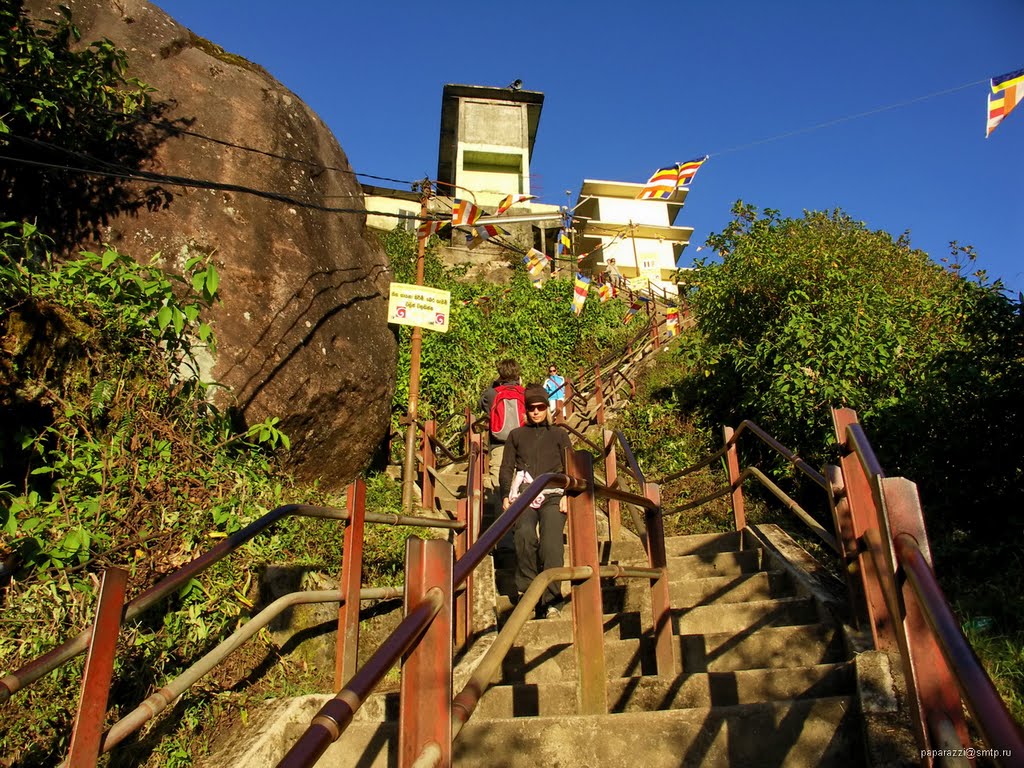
(420, 306)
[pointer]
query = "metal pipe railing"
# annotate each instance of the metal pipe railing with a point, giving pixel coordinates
(997, 726)
(168, 694)
(466, 701)
(29, 673)
(335, 716)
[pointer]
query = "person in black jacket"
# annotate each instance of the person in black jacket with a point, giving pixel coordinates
(530, 451)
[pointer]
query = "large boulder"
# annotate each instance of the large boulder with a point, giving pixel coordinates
(302, 331)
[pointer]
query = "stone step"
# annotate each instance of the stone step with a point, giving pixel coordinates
(702, 544)
(685, 691)
(744, 617)
(557, 662)
(767, 648)
(683, 567)
(809, 732)
(763, 585)
(643, 694)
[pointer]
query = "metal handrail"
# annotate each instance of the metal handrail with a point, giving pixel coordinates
(335, 716)
(169, 693)
(779, 448)
(29, 673)
(997, 726)
(485, 672)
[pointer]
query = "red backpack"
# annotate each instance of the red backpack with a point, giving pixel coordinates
(508, 410)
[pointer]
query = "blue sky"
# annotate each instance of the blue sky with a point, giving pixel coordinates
(633, 86)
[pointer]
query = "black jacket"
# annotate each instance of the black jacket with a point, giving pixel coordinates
(537, 448)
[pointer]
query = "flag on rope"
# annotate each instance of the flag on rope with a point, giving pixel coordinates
(605, 292)
(672, 322)
(511, 200)
(564, 249)
(464, 214)
(689, 169)
(661, 185)
(665, 181)
(1007, 93)
(634, 308)
(428, 228)
(580, 293)
(534, 261)
(482, 233)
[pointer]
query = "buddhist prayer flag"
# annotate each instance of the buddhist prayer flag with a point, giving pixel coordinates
(483, 232)
(580, 293)
(428, 228)
(665, 181)
(605, 292)
(661, 185)
(564, 249)
(689, 169)
(511, 200)
(634, 308)
(1007, 93)
(465, 214)
(672, 322)
(534, 261)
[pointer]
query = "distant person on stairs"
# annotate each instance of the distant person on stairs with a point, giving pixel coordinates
(509, 387)
(532, 450)
(554, 385)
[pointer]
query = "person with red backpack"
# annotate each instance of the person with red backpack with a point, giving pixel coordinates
(502, 403)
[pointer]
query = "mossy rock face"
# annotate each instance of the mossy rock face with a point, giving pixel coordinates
(308, 633)
(302, 323)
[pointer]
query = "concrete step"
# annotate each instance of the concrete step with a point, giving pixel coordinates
(810, 732)
(744, 617)
(649, 693)
(555, 663)
(702, 544)
(684, 567)
(763, 585)
(685, 691)
(767, 648)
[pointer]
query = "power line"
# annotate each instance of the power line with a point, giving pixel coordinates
(847, 118)
(191, 183)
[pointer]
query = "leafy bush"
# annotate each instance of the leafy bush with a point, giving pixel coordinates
(490, 322)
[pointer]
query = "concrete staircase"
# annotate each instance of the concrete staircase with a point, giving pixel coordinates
(761, 679)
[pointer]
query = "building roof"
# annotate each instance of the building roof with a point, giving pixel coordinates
(594, 228)
(450, 100)
(626, 190)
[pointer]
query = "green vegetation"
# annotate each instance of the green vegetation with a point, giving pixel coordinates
(490, 322)
(802, 314)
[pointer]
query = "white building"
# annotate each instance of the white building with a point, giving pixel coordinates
(640, 235)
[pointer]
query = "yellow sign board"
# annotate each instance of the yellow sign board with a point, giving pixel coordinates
(420, 306)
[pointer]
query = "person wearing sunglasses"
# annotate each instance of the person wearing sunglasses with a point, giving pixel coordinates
(532, 450)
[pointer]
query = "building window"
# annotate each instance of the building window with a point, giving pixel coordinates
(406, 220)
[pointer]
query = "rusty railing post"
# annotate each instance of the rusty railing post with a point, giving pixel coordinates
(931, 685)
(864, 515)
(429, 465)
(347, 652)
(99, 671)
(425, 707)
(846, 539)
(587, 610)
(569, 392)
(599, 395)
(661, 609)
(463, 599)
(732, 462)
(611, 475)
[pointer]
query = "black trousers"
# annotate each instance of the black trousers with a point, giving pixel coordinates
(534, 555)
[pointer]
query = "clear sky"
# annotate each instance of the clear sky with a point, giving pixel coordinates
(631, 86)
